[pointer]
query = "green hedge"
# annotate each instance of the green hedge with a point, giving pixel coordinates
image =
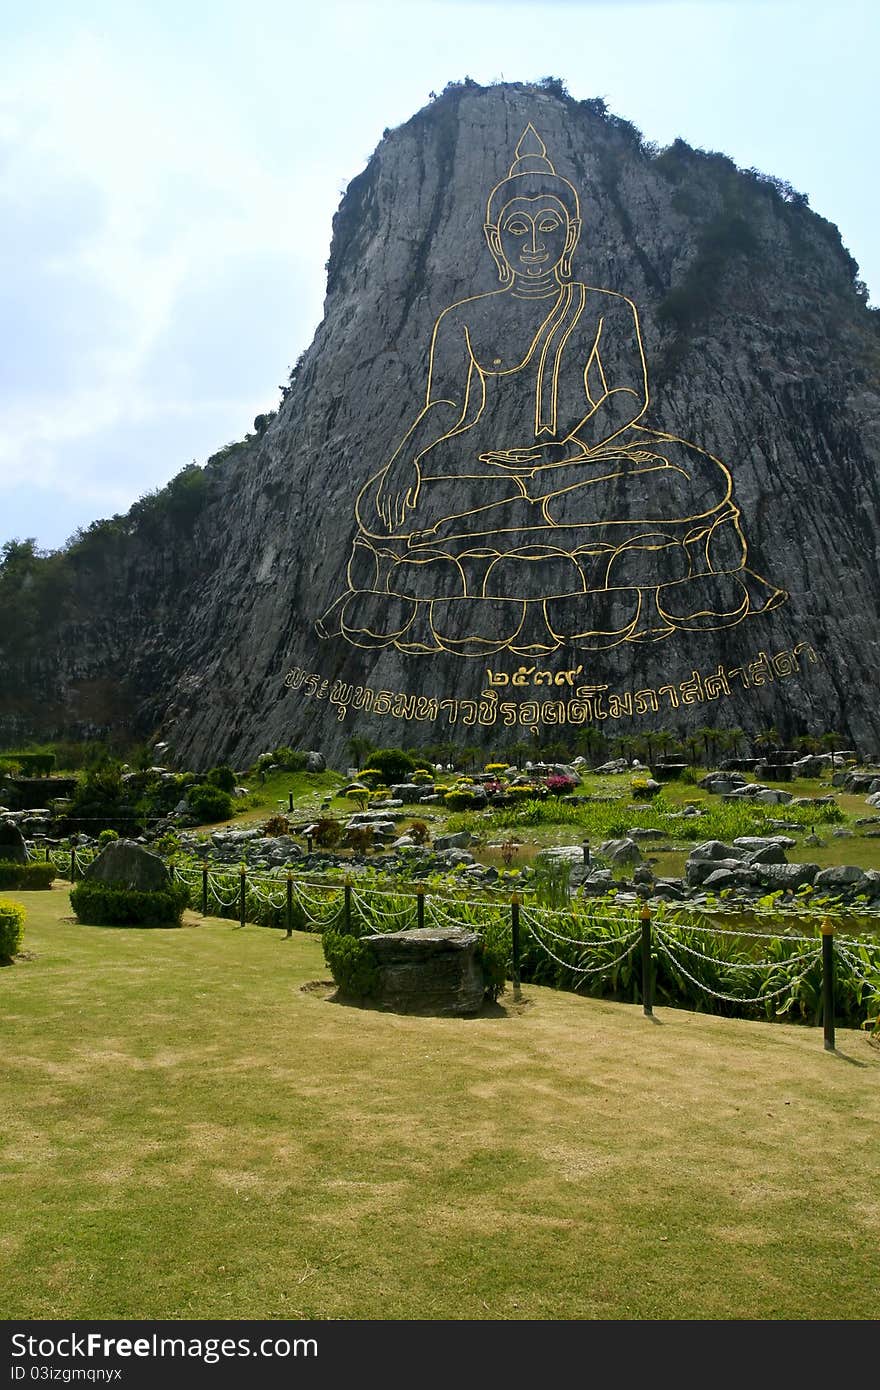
(352, 964)
(29, 876)
(11, 929)
(34, 764)
(209, 803)
(100, 904)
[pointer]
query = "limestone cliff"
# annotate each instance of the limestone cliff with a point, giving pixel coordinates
(225, 628)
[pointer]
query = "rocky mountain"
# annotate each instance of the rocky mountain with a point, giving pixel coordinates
(588, 434)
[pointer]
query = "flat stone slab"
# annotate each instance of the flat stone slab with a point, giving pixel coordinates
(433, 970)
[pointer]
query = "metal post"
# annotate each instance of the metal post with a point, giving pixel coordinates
(48, 856)
(348, 906)
(204, 890)
(586, 849)
(515, 954)
(290, 904)
(647, 993)
(420, 907)
(241, 918)
(828, 983)
(290, 801)
(308, 844)
(72, 864)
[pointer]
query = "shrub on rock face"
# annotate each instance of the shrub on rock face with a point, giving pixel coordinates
(99, 904)
(209, 803)
(31, 877)
(11, 930)
(107, 836)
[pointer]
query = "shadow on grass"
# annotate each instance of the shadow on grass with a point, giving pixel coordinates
(326, 991)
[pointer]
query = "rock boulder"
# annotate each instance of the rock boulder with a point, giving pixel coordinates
(432, 970)
(129, 865)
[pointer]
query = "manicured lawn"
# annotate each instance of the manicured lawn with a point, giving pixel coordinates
(186, 1132)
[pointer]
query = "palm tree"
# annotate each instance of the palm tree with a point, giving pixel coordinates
(591, 743)
(736, 739)
(710, 737)
(831, 741)
(360, 749)
(518, 751)
(766, 740)
(693, 744)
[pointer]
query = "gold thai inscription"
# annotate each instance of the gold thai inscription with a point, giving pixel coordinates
(585, 704)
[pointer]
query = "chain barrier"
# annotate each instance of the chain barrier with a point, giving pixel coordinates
(531, 921)
(223, 902)
(400, 915)
(855, 966)
(604, 967)
(719, 960)
(737, 998)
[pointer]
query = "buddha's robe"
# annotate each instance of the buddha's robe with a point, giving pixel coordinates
(620, 489)
(603, 513)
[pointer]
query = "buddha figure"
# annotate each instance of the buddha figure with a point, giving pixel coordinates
(527, 508)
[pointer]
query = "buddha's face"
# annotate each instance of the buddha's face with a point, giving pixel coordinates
(534, 235)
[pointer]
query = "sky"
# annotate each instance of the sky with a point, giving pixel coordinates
(169, 172)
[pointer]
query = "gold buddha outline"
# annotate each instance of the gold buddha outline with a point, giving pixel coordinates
(444, 586)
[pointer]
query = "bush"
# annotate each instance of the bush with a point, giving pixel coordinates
(11, 929)
(209, 803)
(361, 839)
(34, 764)
(371, 777)
(289, 759)
(326, 832)
(461, 800)
(394, 764)
(102, 797)
(100, 904)
(31, 877)
(277, 825)
(352, 964)
(167, 844)
(107, 837)
(492, 953)
(222, 777)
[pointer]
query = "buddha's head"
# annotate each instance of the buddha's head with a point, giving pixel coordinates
(532, 217)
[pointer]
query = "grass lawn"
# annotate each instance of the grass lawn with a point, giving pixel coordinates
(187, 1133)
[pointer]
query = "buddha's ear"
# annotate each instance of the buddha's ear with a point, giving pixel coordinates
(493, 241)
(574, 231)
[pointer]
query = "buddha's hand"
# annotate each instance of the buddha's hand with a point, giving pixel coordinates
(398, 493)
(526, 460)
